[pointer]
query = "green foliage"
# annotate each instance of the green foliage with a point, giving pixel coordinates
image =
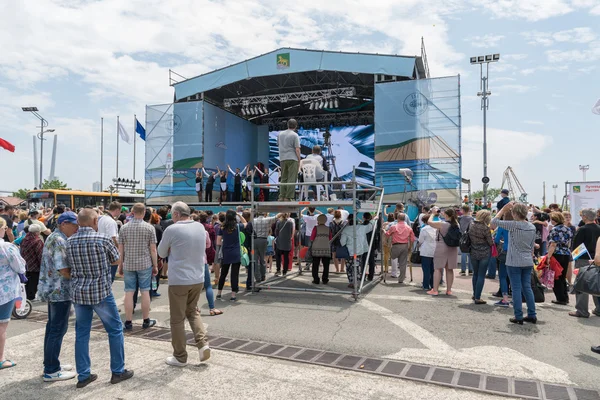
(492, 193)
(21, 193)
(53, 184)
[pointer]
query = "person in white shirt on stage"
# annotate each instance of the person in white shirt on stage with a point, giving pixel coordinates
(237, 182)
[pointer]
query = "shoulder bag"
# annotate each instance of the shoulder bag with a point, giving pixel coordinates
(244, 258)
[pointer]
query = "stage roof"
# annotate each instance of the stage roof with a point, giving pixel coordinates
(286, 61)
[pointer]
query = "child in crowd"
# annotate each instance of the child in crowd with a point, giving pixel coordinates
(270, 251)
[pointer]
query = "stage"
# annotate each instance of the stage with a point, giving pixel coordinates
(371, 113)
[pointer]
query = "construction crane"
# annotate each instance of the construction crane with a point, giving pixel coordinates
(511, 182)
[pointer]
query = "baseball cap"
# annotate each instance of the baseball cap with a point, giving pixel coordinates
(33, 228)
(505, 191)
(33, 212)
(124, 209)
(68, 216)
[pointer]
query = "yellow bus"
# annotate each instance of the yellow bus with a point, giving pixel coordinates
(75, 199)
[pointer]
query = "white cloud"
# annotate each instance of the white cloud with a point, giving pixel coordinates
(516, 57)
(529, 122)
(532, 10)
(517, 149)
(591, 54)
(587, 70)
(485, 41)
(514, 88)
(575, 35)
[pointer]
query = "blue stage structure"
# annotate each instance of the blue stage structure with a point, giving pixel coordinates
(378, 113)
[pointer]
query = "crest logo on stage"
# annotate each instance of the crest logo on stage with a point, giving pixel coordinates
(577, 189)
(176, 123)
(283, 61)
(221, 145)
(415, 104)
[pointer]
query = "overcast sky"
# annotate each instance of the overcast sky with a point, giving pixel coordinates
(79, 60)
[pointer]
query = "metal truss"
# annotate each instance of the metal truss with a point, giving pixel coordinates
(286, 97)
(323, 120)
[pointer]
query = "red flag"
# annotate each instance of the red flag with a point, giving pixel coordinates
(6, 145)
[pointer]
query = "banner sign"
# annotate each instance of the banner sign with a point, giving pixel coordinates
(583, 195)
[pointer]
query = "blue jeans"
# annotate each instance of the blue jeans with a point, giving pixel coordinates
(479, 269)
(113, 272)
(138, 279)
(520, 280)
(56, 327)
(427, 266)
(210, 297)
(464, 261)
(491, 268)
(109, 315)
(503, 276)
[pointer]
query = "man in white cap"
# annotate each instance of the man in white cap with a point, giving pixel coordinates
(54, 287)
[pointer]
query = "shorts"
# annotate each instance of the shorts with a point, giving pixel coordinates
(6, 311)
(138, 279)
(270, 251)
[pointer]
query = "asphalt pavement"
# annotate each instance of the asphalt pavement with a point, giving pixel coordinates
(398, 322)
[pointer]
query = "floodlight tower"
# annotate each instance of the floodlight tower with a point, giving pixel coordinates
(484, 93)
(584, 169)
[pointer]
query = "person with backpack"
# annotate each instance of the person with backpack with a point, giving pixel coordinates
(446, 250)
(402, 240)
(481, 251)
(465, 221)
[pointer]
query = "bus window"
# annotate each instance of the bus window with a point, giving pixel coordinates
(40, 199)
(64, 199)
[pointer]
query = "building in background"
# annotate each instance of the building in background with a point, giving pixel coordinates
(96, 187)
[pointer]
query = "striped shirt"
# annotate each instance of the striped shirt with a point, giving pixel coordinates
(521, 236)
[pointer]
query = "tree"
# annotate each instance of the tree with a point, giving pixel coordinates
(492, 193)
(53, 184)
(21, 193)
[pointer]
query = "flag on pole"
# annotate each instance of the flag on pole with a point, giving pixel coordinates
(7, 146)
(139, 129)
(123, 133)
(579, 251)
(596, 108)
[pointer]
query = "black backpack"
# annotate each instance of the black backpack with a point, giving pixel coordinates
(452, 238)
(416, 227)
(465, 242)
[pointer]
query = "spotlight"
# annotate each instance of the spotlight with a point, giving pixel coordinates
(331, 103)
(336, 103)
(312, 105)
(244, 111)
(264, 110)
(321, 105)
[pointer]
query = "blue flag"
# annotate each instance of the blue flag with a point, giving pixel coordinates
(139, 129)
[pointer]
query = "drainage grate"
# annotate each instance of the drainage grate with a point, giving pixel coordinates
(422, 373)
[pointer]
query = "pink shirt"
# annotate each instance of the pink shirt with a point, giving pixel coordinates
(401, 233)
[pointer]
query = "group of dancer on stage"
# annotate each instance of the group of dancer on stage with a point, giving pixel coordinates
(242, 183)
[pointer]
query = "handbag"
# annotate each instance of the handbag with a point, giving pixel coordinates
(244, 258)
(494, 251)
(588, 280)
(465, 242)
(415, 257)
(342, 252)
(547, 278)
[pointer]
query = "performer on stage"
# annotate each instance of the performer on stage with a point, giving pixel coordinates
(209, 185)
(199, 185)
(237, 182)
(223, 196)
(264, 179)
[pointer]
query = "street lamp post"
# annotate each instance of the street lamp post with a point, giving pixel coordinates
(554, 187)
(484, 93)
(584, 169)
(43, 124)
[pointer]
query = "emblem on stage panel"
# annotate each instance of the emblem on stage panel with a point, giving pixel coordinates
(283, 61)
(176, 123)
(577, 189)
(415, 104)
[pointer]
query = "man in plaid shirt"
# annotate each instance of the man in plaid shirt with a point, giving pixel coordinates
(138, 261)
(90, 254)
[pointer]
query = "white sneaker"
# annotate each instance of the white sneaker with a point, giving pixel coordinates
(59, 376)
(66, 367)
(204, 353)
(172, 361)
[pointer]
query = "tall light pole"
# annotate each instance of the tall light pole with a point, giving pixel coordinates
(554, 187)
(43, 124)
(584, 169)
(484, 93)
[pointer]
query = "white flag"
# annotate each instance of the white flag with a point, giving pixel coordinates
(123, 133)
(596, 108)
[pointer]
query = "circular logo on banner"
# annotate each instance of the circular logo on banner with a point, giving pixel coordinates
(415, 104)
(176, 123)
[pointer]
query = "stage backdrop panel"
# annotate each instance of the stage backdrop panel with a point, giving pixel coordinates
(183, 137)
(231, 140)
(417, 126)
(350, 145)
(583, 195)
